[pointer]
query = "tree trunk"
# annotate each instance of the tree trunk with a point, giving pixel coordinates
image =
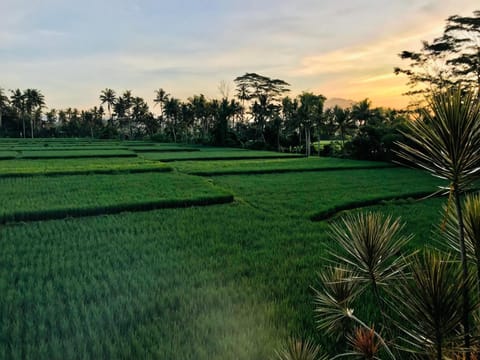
(278, 138)
(318, 133)
(300, 139)
(307, 141)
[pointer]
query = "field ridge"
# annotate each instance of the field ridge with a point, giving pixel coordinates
(282, 171)
(333, 212)
(56, 214)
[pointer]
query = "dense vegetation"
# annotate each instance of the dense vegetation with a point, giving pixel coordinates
(260, 117)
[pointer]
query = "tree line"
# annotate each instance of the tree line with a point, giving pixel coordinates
(261, 115)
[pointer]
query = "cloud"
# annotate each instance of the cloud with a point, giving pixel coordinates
(188, 46)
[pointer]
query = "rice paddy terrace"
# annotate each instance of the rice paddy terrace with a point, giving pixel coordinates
(136, 249)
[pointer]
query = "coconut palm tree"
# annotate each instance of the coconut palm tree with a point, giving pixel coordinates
(361, 111)
(161, 97)
(445, 141)
(34, 101)
(172, 113)
(343, 120)
(3, 104)
(310, 113)
(17, 99)
(108, 96)
(200, 107)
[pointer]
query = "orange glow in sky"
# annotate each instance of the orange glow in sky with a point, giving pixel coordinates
(343, 49)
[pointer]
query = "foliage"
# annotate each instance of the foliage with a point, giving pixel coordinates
(446, 139)
(261, 117)
(432, 297)
(376, 139)
(451, 59)
(371, 245)
(429, 304)
(301, 350)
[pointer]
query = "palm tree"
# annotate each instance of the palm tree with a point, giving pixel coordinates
(243, 95)
(343, 121)
(139, 111)
(3, 104)
(108, 97)
(446, 143)
(262, 110)
(310, 113)
(361, 111)
(17, 99)
(122, 108)
(172, 113)
(200, 109)
(34, 101)
(161, 97)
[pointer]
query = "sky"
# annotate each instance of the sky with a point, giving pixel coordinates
(72, 50)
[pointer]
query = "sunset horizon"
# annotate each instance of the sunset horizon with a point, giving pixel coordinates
(71, 53)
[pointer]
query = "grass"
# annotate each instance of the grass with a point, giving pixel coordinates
(416, 215)
(306, 195)
(53, 154)
(25, 167)
(221, 282)
(265, 166)
(150, 149)
(6, 155)
(131, 286)
(39, 198)
(61, 148)
(220, 155)
(226, 282)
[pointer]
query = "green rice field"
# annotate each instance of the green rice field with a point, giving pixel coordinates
(219, 154)
(265, 166)
(126, 265)
(65, 166)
